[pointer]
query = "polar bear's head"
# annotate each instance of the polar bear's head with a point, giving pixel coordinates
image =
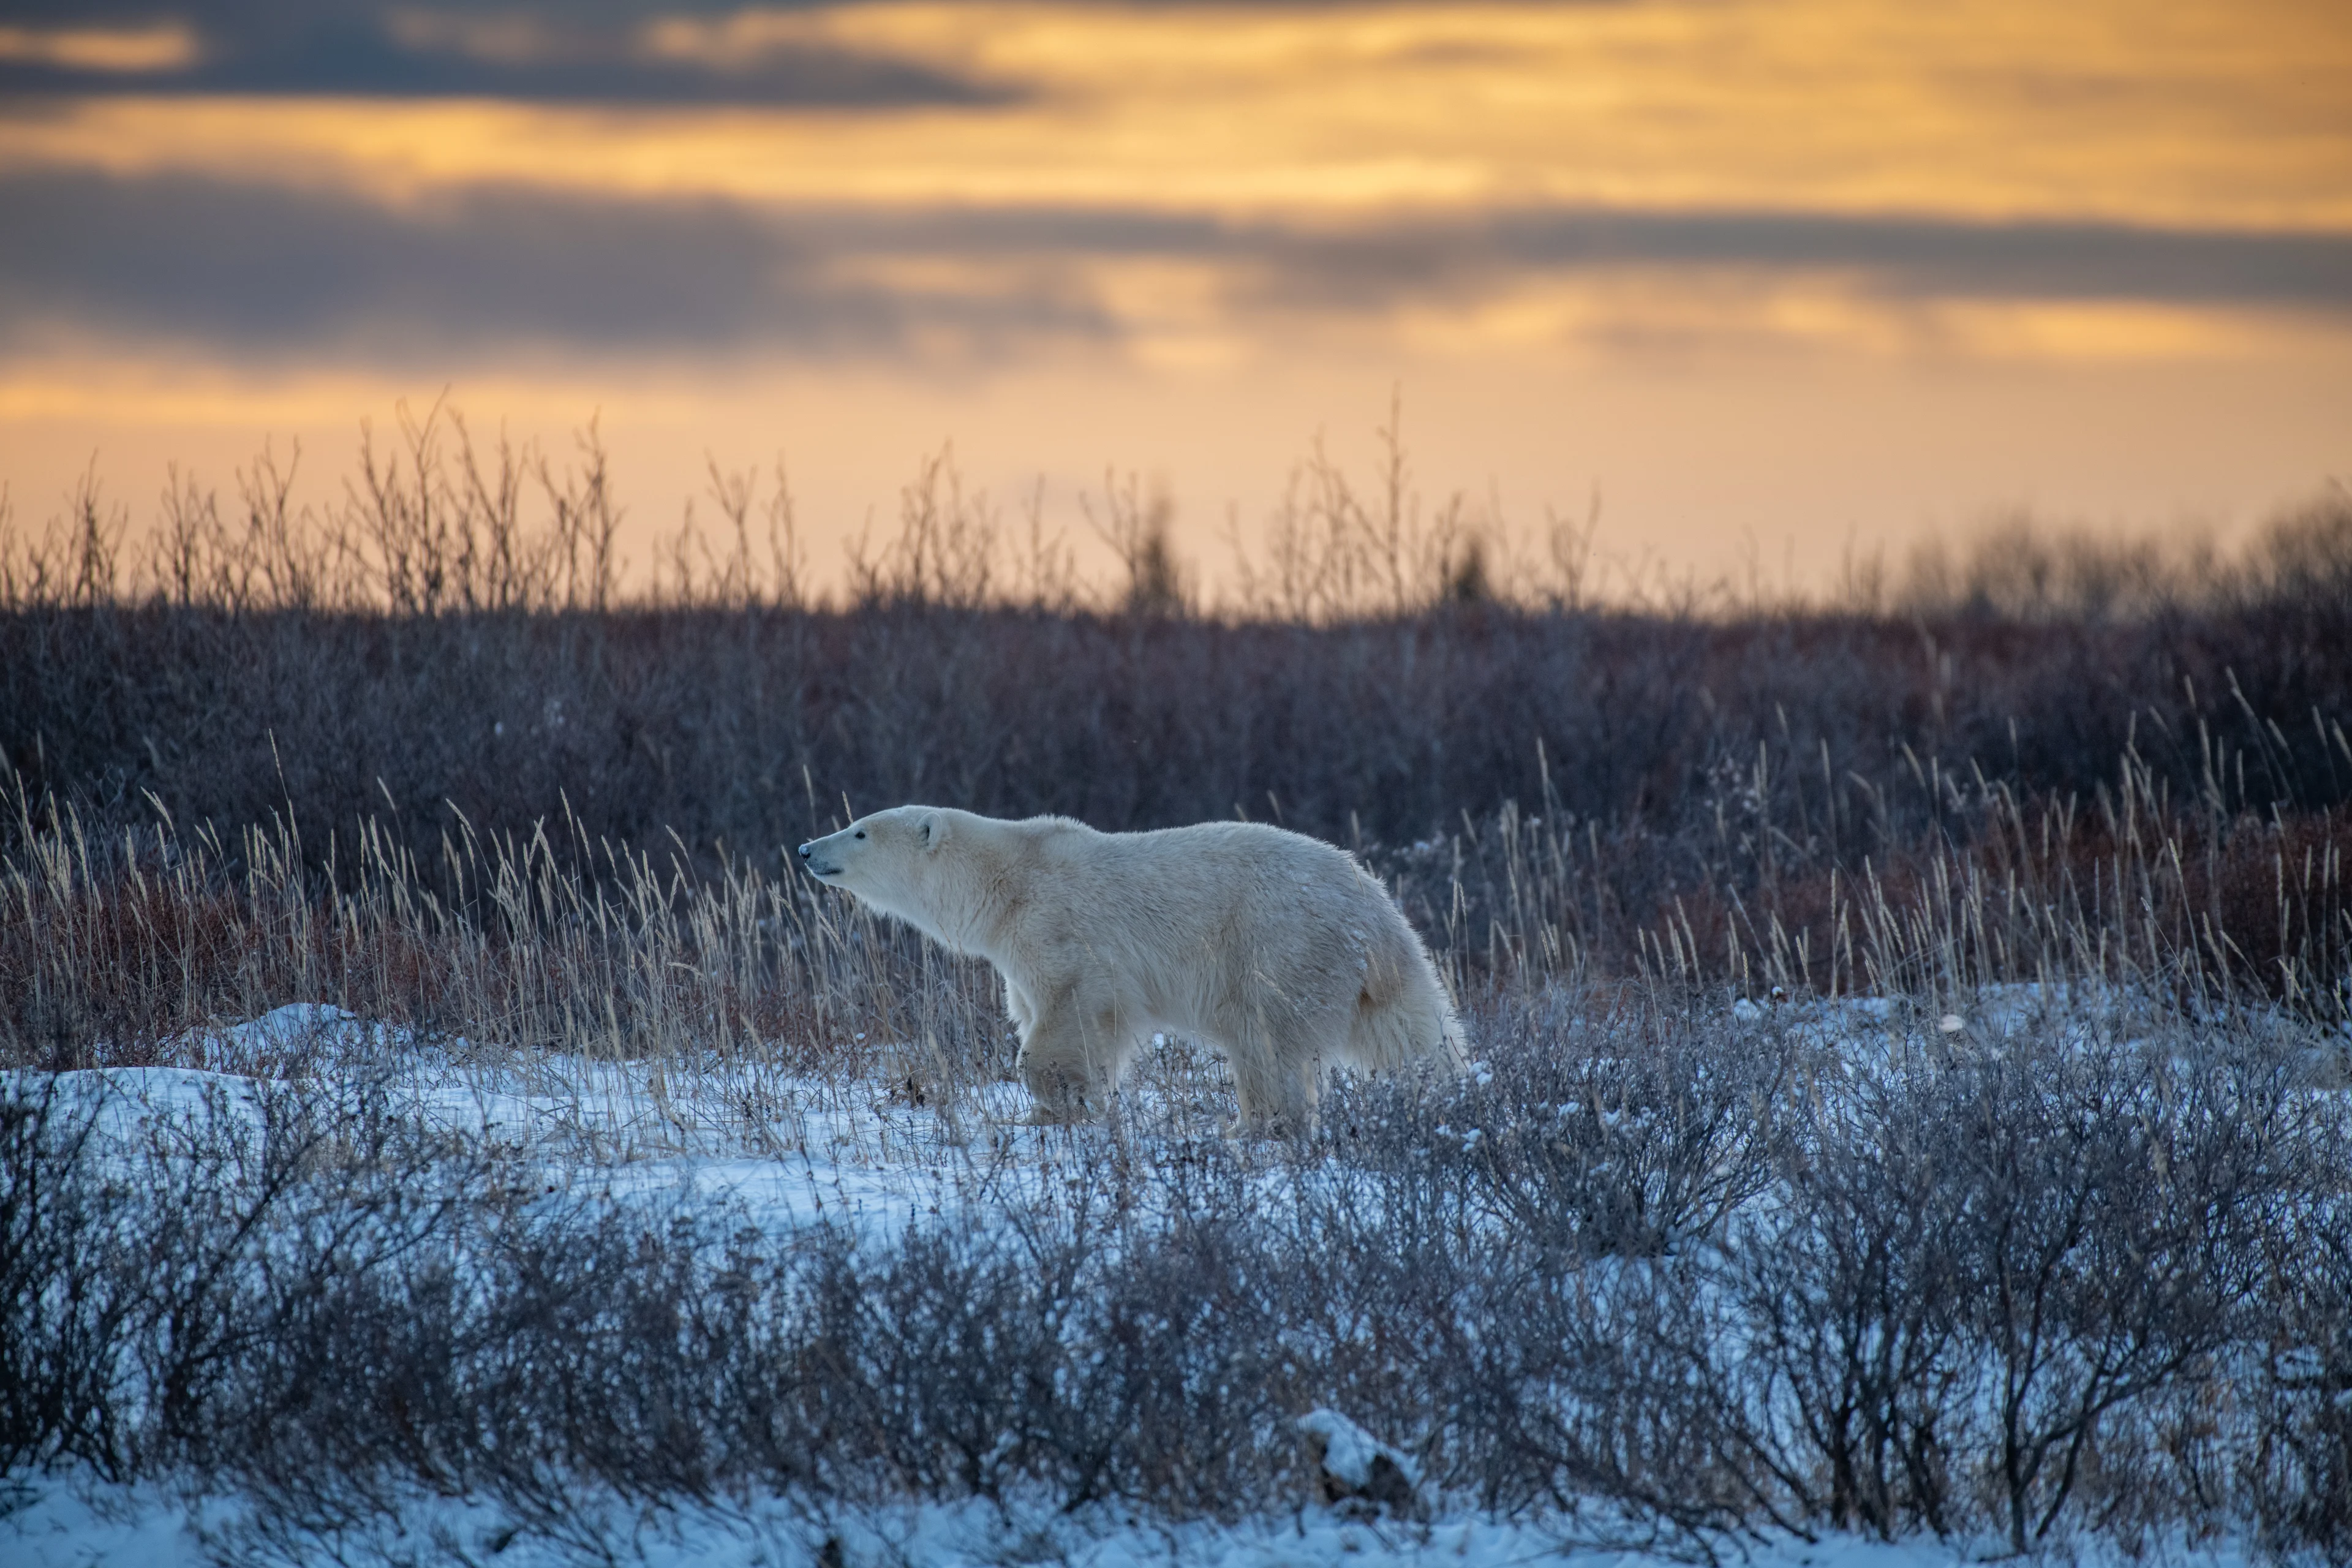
(894, 861)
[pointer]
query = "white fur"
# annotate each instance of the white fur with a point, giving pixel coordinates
(1276, 948)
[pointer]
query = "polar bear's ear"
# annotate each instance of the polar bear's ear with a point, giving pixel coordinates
(934, 829)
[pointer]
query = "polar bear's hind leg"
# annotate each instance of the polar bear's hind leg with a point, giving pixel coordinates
(1403, 1016)
(1276, 1081)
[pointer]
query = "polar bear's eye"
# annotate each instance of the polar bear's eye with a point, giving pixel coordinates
(861, 833)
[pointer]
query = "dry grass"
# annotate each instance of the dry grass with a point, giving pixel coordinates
(121, 950)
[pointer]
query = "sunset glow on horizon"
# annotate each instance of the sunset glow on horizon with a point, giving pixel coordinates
(1774, 275)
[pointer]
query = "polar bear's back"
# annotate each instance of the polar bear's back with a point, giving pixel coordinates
(1210, 875)
(1219, 916)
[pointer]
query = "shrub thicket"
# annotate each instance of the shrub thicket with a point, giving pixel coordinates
(1659, 1281)
(434, 644)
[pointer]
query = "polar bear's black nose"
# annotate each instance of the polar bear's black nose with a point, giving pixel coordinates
(805, 849)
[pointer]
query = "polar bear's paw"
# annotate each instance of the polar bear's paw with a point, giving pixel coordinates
(1250, 1129)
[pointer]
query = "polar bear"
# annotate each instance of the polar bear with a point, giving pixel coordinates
(1276, 948)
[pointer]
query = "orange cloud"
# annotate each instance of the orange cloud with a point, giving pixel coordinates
(129, 51)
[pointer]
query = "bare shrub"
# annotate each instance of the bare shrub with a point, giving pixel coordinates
(1580, 1135)
(943, 556)
(2293, 1380)
(1856, 1380)
(1135, 524)
(2120, 1211)
(1991, 1283)
(155, 1251)
(66, 1307)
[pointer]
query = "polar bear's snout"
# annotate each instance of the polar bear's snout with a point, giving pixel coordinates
(808, 860)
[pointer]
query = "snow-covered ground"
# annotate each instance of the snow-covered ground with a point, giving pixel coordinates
(796, 1151)
(844, 1153)
(65, 1524)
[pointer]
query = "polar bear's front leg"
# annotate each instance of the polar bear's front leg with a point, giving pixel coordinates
(1072, 1053)
(1017, 1005)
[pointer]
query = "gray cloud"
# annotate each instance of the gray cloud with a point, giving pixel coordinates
(1375, 263)
(583, 53)
(266, 270)
(1905, 257)
(276, 271)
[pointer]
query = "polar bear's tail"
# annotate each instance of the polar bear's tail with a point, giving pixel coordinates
(1406, 1020)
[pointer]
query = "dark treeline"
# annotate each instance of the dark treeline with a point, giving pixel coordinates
(750, 726)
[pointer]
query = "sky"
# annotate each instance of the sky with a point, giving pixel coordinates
(1777, 281)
